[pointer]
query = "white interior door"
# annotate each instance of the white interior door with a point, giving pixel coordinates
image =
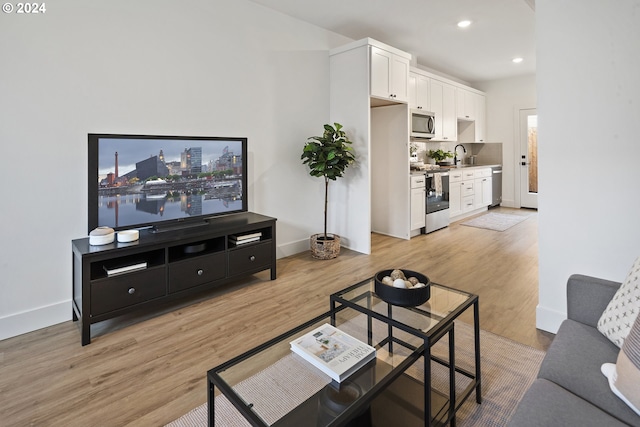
(528, 162)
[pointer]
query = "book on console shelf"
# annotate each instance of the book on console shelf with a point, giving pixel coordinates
(126, 269)
(240, 240)
(244, 237)
(334, 352)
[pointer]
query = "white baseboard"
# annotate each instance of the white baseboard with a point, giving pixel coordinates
(292, 248)
(508, 203)
(32, 320)
(549, 320)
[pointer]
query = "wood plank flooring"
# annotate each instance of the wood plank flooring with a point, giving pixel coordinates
(149, 369)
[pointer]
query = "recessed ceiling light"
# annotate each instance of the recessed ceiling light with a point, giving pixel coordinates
(464, 24)
(517, 60)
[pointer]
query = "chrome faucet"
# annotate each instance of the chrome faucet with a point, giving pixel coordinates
(455, 153)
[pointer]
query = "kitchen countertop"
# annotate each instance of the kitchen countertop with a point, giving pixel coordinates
(448, 168)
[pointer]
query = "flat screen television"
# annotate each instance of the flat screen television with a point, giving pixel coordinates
(164, 182)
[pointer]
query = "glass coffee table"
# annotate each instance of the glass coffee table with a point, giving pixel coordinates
(272, 386)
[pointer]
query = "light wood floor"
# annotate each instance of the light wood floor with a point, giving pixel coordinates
(150, 369)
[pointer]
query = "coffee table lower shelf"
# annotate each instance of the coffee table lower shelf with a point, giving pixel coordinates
(401, 404)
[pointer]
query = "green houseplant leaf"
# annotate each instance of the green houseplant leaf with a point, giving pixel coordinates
(439, 155)
(328, 156)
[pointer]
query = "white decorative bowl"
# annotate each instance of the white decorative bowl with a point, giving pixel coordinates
(101, 236)
(126, 236)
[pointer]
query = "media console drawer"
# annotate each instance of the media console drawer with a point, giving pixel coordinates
(196, 271)
(252, 257)
(127, 289)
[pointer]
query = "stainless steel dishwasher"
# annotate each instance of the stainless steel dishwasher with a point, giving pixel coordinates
(496, 185)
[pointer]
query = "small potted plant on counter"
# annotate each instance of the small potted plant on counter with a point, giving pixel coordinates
(327, 156)
(440, 156)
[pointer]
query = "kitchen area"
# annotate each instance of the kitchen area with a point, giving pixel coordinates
(397, 188)
(434, 144)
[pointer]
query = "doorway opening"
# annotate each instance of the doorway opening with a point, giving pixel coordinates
(528, 162)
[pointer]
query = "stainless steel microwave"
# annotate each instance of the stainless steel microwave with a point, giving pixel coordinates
(423, 124)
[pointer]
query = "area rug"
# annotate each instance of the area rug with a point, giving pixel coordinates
(508, 369)
(495, 221)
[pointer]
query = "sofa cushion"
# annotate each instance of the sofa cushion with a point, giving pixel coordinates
(573, 362)
(547, 404)
(624, 376)
(616, 320)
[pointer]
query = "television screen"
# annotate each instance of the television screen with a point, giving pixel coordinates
(137, 181)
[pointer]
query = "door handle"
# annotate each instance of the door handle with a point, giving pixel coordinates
(525, 163)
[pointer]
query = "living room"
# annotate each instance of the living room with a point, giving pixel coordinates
(171, 69)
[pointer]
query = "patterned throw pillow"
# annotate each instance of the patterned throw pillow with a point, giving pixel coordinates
(624, 376)
(616, 320)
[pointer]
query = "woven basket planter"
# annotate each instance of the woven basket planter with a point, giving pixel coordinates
(321, 249)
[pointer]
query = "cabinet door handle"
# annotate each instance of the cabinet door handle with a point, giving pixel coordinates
(200, 272)
(252, 258)
(132, 291)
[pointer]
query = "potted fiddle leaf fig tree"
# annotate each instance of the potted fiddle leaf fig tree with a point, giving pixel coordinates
(327, 156)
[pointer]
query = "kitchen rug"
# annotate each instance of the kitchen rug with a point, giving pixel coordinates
(495, 221)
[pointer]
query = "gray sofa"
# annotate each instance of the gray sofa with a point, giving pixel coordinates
(570, 389)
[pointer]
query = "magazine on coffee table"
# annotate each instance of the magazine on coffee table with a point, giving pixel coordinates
(334, 352)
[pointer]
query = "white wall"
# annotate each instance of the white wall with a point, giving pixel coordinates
(504, 99)
(588, 63)
(221, 68)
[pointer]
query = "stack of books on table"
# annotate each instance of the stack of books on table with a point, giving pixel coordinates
(333, 352)
(245, 238)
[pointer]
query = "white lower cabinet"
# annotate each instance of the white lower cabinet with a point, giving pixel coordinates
(455, 193)
(469, 190)
(483, 193)
(468, 195)
(418, 202)
(455, 199)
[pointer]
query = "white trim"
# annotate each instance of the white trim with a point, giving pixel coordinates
(29, 321)
(549, 320)
(368, 41)
(508, 203)
(293, 248)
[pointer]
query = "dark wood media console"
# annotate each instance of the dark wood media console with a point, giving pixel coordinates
(164, 266)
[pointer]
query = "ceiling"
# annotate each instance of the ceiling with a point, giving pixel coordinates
(500, 31)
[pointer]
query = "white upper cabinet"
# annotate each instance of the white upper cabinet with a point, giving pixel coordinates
(481, 118)
(389, 75)
(443, 104)
(466, 104)
(470, 106)
(419, 87)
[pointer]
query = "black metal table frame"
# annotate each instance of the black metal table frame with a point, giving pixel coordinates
(445, 326)
(214, 380)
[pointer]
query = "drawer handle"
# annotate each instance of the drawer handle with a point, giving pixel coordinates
(132, 291)
(200, 272)
(252, 258)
